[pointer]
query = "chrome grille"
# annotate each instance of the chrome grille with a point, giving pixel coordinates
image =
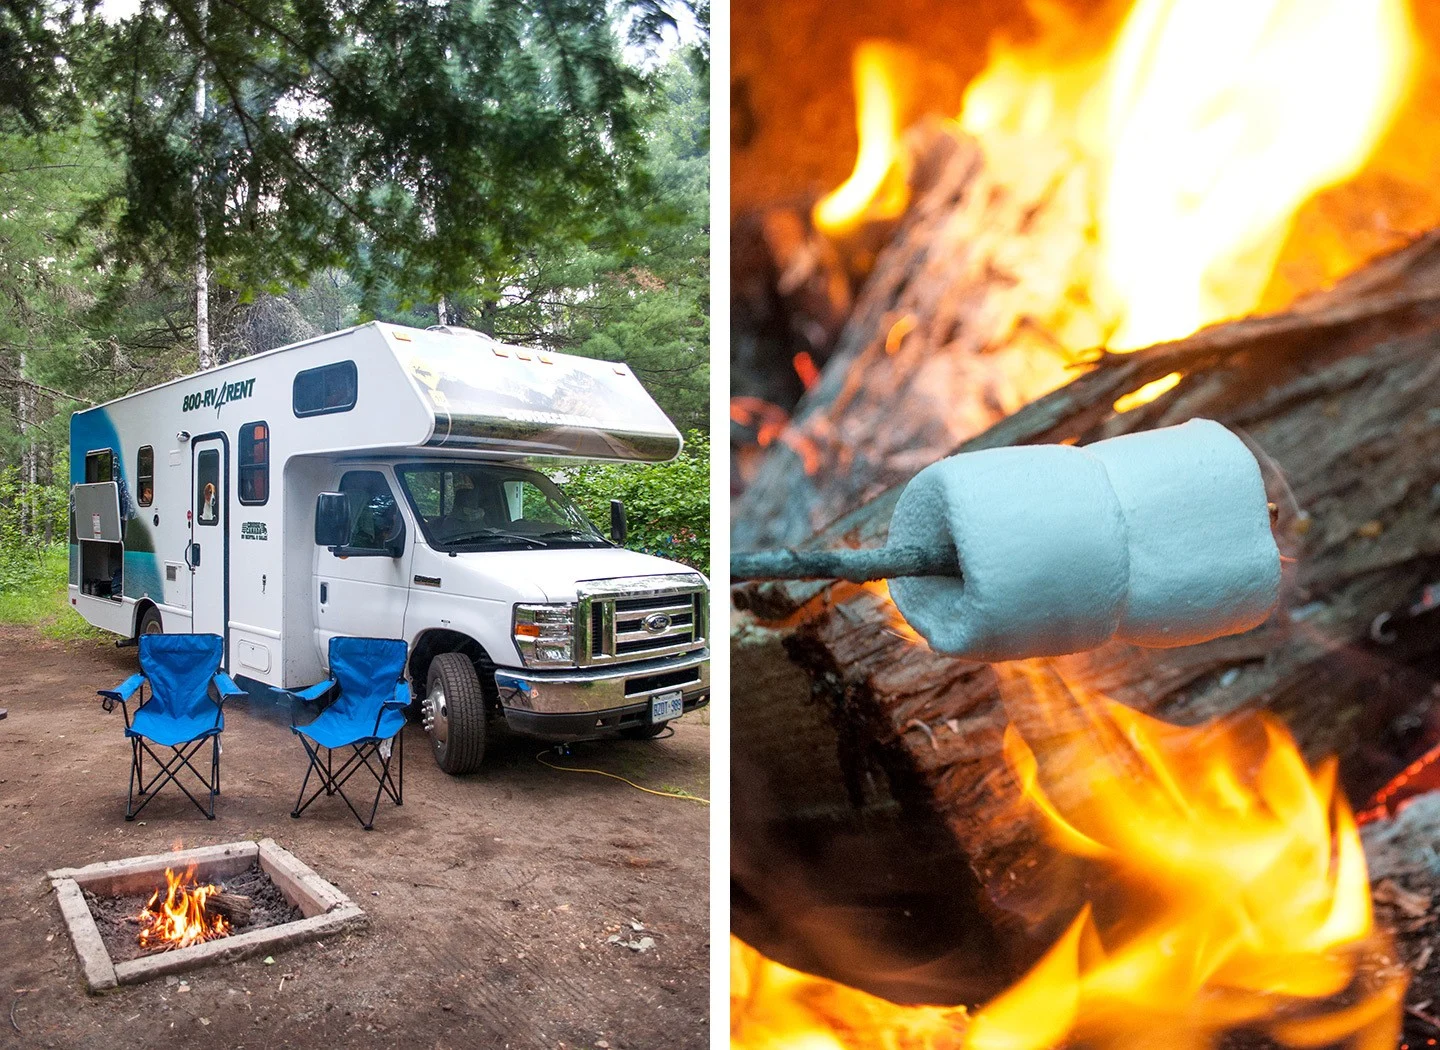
(640, 617)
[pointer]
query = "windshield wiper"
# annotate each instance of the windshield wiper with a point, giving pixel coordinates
(492, 534)
(577, 533)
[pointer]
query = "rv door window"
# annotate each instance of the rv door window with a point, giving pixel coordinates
(99, 466)
(254, 463)
(207, 487)
(145, 475)
(375, 521)
(330, 388)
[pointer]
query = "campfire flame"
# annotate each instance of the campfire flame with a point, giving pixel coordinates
(877, 188)
(773, 1007)
(1205, 126)
(1232, 892)
(1208, 123)
(180, 919)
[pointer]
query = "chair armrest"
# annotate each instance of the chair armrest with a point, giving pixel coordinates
(124, 691)
(402, 695)
(225, 687)
(315, 692)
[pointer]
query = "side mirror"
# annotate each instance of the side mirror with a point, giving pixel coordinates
(332, 519)
(617, 523)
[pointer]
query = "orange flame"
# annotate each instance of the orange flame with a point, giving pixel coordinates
(1257, 903)
(1233, 890)
(878, 187)
(180, 919)
(1208, 124)
(1205, 125)
(773, 1007)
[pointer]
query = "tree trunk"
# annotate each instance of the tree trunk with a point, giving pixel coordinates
(1343, 394)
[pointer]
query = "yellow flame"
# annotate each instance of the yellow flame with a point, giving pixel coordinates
(878, 187)
(773, 1007)
(1256, 899)
(1208, 124)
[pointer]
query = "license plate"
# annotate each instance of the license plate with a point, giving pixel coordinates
(666, 706)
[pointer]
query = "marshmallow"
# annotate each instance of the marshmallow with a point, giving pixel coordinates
(1203, 561)
(1160, 538)
(1040, 539)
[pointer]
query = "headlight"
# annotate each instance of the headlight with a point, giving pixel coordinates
(545, 634)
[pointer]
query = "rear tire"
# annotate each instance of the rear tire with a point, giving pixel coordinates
(150, 622)
(649, 732)
(455, 713)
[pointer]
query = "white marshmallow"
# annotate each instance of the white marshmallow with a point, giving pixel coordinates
(1040, 539)
(1203, 561)
(1160, 538)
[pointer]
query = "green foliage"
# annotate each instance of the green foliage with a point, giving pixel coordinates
(350, 163)
(667, 505)
(409, 141)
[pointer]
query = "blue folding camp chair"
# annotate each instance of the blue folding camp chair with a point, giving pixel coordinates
(183, 713)
(365, 699)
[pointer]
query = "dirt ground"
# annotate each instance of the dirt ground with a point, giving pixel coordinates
(491, 897)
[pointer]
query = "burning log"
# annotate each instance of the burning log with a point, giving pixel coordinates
(234, 906)
(1342, 393)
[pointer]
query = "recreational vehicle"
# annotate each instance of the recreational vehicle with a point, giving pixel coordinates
(381, 482)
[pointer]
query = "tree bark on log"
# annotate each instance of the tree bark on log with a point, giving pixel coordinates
(234, 906)
(1342, 394)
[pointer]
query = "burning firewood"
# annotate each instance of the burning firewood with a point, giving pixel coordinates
(234, 906)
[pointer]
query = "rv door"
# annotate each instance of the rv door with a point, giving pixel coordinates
(208, 553)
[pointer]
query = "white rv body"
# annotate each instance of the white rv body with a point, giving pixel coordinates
(179, 526)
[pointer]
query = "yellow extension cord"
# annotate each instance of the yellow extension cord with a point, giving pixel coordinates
(682, 795)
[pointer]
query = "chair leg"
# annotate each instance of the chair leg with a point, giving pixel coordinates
(214, 774)
(169, 772)
(134, 773)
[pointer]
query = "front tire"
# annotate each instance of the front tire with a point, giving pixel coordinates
(454, 713)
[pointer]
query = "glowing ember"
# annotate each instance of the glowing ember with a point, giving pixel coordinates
(180, 919)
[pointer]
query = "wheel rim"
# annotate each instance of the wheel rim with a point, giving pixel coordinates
(152, 627)
(437, 716)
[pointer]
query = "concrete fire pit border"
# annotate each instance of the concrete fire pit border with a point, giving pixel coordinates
(325, 909)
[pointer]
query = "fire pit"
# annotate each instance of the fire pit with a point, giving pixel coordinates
(144, 917)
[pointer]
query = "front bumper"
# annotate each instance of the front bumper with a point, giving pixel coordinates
(587, 702)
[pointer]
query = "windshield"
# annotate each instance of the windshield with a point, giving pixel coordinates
(482, 506)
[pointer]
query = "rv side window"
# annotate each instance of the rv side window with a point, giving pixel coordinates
(145, 475)
(330, 388)
(207, 487)
(375, 520)
(254, 463)
(99, 466)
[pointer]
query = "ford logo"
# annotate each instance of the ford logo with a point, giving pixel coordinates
(656, 622)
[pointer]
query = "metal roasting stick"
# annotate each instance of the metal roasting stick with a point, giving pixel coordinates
(854, 566)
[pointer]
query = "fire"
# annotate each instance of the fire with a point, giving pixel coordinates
(1231, 892)
(1204, 127)
(1256, 902)
(1208, 124)
(180, 919)
(877, 188)
(773, 1007)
